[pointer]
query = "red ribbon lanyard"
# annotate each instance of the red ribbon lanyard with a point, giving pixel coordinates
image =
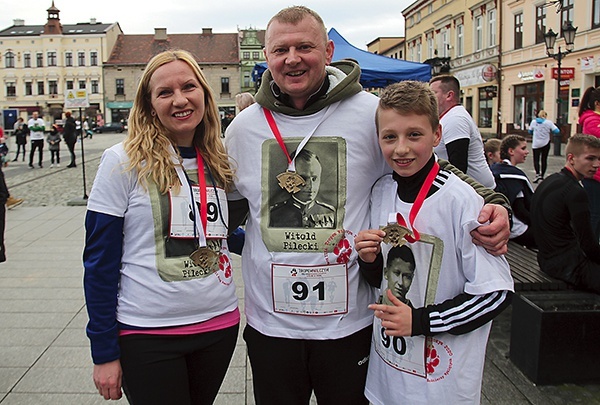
(275, 130)
(202, 184)
(414, 210)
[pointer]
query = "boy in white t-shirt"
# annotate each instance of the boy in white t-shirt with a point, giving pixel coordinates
(431, 350)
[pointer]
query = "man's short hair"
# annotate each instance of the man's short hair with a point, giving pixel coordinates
(295, 14)
(510, 142)
(448, 83)
(410, 97)
(578, 142)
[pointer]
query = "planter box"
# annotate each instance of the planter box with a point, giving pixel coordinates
(555, 336)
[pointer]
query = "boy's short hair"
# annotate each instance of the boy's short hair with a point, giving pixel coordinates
(510, 142)
(492, 145)
(409, 97)
(578, 142)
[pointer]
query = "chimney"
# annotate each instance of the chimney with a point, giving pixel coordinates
(160, 34)
(206, 31)
(92, 20)
(18, 22)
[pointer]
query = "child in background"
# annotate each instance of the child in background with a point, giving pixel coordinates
(54, 146)
(491, 147)
(433, 349)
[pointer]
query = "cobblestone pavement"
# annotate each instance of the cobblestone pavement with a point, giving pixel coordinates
(57, 186)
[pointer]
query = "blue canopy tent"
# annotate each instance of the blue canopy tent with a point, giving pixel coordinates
(376, 70)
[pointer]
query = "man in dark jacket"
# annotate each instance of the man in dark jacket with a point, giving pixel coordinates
(70, 137)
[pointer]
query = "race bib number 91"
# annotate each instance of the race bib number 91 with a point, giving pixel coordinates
(310, 290)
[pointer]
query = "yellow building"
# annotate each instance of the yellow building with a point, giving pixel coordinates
(460, 37)
(40, 62)
(528, 74)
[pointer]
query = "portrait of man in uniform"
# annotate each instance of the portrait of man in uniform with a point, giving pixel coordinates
(303, 209)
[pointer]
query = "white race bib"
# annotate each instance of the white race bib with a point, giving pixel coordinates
(310, 290)
(404, 353)
(181, 224)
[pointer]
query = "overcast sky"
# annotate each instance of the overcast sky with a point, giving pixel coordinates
(359, 21)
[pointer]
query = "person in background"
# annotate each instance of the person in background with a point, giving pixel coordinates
(36, 133)
(589, 119)
(491, 147)
(542, 129)
(244, 100)
(461, 141)
(21, 131)
(6, 200)
(70, 136)
(54, 146)
(158, 282)
(451, 315)
(303, 94)
(560, 215)
(514, 184)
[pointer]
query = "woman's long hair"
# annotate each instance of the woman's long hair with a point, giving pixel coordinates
(148, 145)
(589, 99)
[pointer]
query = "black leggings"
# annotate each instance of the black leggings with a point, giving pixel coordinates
(543, 154)
(37, 144)
(286, 371)
(182, 370)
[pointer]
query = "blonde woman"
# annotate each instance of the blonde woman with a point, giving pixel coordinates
(243, 101)
(158, 280)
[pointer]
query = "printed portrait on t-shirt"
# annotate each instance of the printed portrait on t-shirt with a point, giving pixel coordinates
(303, 218)
(399, 271)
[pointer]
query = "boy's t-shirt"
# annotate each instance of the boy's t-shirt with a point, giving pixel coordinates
(453, 365)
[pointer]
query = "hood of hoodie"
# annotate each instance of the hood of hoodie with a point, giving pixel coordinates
(344, 82)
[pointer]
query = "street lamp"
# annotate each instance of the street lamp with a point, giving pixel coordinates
(550, 39)
(439, 65)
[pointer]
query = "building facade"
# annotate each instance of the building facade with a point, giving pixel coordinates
(392, 47)
(40, 63)
(462, 38)
(217, 55)
(251, 52)
(529, 75)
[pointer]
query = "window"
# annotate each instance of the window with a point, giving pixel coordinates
(40, 86)
(567, 14)
(460, 40)
(39, 60)
(68, 58)
(224, 85)
(418, 52)
(485, 108)
(445, 44)
(491, 28)
(540, 24)
(82, 84)
(478, 33)
(80, 58)
(120, 86)
(596, 14)
(247, 81)
(51, 57)
(430, 47)
(95, 87)
(255, 55)
(28, 89)
(94, 58)
(519, 31)
(246, 55)
(69, 84)
(9, 59)
(27, 60)
(11, 89)
(411, 53)
(52, 87)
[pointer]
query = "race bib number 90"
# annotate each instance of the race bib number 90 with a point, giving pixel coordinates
(404, 353)
(310, 290)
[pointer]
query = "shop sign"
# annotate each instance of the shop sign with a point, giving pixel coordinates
(491, 91)
(587, 63)
(536, 74)
(565, 73)
(488, 73)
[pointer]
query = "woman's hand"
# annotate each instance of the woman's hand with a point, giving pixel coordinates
(107, 378)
